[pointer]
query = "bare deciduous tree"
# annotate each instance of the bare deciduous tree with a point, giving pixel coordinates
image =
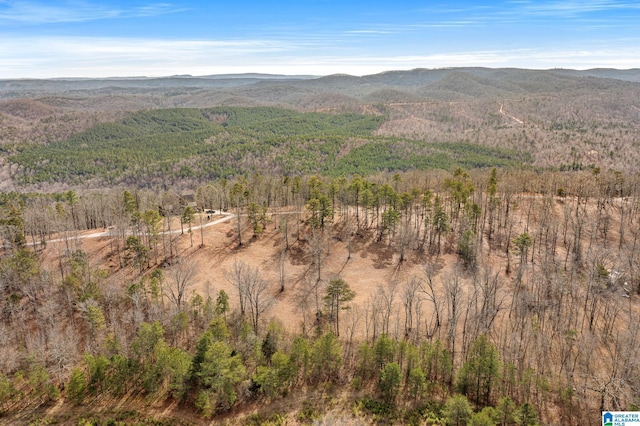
(429, 290)
(411, 301)
(180, 278)
(455, 301)
(252, 291)
(387, 295)
(318, 248)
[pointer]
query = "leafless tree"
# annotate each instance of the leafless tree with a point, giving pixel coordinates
(386, 295)
(351, 320)
(455, 299)
(318, 247)
(252, 291)
(235, 277)
(404, 239)
(62, 349)
(372, 316)
(180, 277)
(488, 299)
(305, 304)
(428, 287)
(411, 301)
(485, 300)
(39, 217)
(9, 355)
(282, 275)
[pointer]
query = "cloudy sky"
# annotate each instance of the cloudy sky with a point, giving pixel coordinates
(91, 38)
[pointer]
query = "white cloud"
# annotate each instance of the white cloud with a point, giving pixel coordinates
(575, 13)
(369, 32)
(35, 57)
(31, 12)
(28, 57)
(572, 8)
(522, 11)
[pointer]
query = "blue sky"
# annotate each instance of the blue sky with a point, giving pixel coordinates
(91, 38)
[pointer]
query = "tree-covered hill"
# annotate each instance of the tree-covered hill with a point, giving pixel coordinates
(563, 118)
(158, 146)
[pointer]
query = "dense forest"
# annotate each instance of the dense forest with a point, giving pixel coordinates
(149, 149)
(514, 301)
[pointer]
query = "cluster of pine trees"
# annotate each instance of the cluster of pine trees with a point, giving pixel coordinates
(153, 148)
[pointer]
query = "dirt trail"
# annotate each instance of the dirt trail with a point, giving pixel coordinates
(509, 116)
(111, 232)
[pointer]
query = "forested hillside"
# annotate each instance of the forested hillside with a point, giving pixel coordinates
(487, 297)
(152, 148)
(426, 247)
(562, 119)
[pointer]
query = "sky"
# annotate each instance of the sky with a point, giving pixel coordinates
(117, 38)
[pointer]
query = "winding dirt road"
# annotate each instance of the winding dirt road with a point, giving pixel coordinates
(226, 217)
(509, 116)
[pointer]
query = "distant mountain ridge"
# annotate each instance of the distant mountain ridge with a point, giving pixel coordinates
(399, 79)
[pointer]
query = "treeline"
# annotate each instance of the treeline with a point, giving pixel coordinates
(406, 382)
(149, 149)
(537, 318)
